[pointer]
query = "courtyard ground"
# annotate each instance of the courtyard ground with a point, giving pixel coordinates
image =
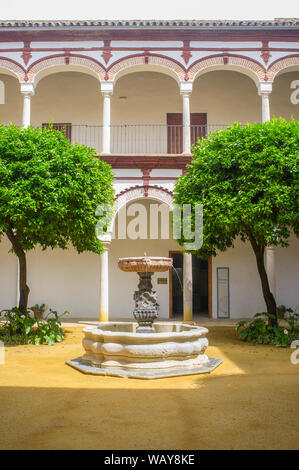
(249, 402)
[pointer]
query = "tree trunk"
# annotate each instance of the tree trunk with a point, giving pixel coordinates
(268, 296)
(24, 289)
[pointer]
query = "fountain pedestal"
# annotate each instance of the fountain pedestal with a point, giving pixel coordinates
(146, 307)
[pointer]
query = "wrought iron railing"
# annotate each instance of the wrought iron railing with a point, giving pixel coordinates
(136, 138)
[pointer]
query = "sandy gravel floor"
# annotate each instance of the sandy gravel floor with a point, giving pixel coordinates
(248, 402)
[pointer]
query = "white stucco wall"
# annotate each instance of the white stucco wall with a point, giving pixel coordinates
(287, 274)
(65, 280)
(8, 275)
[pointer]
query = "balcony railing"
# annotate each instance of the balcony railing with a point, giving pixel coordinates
(137, 138)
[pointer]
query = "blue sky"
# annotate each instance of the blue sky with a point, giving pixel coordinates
(154, 9)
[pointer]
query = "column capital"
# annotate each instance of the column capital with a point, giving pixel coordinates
(107, 88)
(27, 88)
(186, 88)
(265, 88)
(105, 239)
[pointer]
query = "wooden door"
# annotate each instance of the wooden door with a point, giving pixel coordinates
(174, 133)
(198, 125)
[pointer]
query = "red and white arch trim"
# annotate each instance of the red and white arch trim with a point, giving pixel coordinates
(165, 63)
(90, 65)
(281, 64)
(228, 61)
(13, 67)
(139, 192)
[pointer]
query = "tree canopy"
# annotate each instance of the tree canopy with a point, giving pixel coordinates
(49, 191)
(246, 178)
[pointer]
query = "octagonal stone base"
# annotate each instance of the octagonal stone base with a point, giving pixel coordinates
(116, 349)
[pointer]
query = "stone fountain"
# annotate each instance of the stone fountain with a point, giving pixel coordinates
(146, 349)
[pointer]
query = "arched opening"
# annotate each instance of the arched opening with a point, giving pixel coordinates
(72, 101)
(284, 100)
(40, 71)
(142, 225)
(226, 96)
(11, 99)
(156, 68)
(139, 108)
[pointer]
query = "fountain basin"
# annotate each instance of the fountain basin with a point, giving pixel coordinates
(173, 349)
(142, 264)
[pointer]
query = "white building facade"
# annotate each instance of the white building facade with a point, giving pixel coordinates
(141, 93)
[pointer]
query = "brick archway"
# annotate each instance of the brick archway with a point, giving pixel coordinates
(133, 193)
(65, 62)
(139, 192)
(13, 67)
(240, 64)
(282, 64)
(146, 62)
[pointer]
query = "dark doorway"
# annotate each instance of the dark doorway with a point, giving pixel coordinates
(198, 124)
(201, 291)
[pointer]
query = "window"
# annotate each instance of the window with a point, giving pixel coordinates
(64, 127)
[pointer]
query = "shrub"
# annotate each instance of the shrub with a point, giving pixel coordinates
(24, 328)
(261, 330)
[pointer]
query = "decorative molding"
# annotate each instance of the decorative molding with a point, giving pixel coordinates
(106, 51)
(186, 54)
(281, 64)
(251, 66)
(146, 179)
(16, 69)
(138, 192)
(265, 53)
(146, 58)
(65, 59)
(26, 55)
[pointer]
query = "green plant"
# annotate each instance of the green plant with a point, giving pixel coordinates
(246, 179)
(39, 310)
(23, 328)
(261, 329)
(49, 193)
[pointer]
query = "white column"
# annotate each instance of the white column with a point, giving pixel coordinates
(104, 284)
(107, 91)
(265, 89)
(187, 287)
(186, 89)
(27, 89)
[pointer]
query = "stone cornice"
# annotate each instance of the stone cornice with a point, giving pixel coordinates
(152, 24)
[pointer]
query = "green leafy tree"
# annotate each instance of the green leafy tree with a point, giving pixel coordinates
(49, 192)
(246, 178)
